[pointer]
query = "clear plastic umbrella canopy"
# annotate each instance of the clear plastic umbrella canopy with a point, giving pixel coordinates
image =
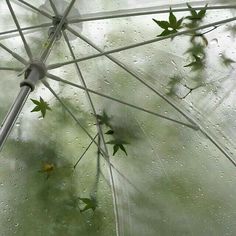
(118, 117)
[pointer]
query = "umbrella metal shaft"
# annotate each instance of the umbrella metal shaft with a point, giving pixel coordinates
(13, 114)
(26, 87)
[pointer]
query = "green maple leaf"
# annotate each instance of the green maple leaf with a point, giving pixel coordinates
(172, 84)
(196, 49)
(90, 203)
(110, 132)
(174, 80)
(104, 119)
(118, 144)
(196, 16)
(170, 27)
(197, 64)
(41, 106)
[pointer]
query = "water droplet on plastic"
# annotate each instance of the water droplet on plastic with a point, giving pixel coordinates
(214, 41)
(107, 82)
(173, 62)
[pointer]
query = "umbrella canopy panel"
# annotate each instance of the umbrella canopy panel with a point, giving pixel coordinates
(129, 133)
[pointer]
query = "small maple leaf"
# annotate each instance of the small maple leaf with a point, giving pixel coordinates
(41, 106)
(196, 49)
(110, 132)
(104, 119)
(47, 168)
(196, 16)
(118, 144)
(170, 27)
(174, 81)
(197, 64)
(90, 203)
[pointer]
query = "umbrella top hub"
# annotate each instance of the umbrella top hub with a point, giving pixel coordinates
(55, 22)
(61, 6)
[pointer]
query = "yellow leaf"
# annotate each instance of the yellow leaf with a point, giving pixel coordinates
(48, 167)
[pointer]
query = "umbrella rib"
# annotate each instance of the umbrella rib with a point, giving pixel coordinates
(133, 74)
(57, 65)
(82, 80)
(26, 28)
(98, 170)
(100, 134)
(77, 162)
(140, 12)
(56, 78)
(15, 55)
(10, 69)
(53, 7)
(36, 9)
(218, 145)
(27, 48)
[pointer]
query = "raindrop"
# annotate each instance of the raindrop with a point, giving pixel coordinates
(173, 62)
(214, 41)
(107, 82)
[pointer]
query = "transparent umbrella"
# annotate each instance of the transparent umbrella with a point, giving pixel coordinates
(129, 127)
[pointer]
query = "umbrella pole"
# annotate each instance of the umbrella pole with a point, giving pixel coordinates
(35, 72)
